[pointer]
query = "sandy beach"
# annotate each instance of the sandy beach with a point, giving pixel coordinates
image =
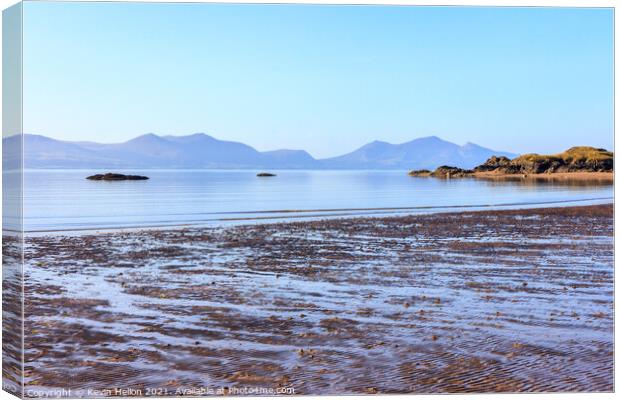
(495, 301)
(576, 178)
(563, 176)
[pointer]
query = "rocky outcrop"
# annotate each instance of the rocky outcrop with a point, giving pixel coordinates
(533, 164)
(493, 163)
(419, 172)
(446, 171)
(575, 159)
(116, 177)
(588, 159)
(265, 174)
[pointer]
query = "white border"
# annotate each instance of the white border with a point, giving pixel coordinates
(483, 3)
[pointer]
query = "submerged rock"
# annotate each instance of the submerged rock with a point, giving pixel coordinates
(265, 174)
(116, 177)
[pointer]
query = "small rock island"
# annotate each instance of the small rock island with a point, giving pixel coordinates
(575, 160)
(265, 174)
(116, 177)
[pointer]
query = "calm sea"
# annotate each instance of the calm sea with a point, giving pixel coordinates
(64, 199)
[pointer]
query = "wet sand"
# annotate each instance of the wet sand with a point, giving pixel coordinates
(496, 301)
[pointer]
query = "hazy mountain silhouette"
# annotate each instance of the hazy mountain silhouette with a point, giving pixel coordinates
(203, 151)
(427, 152)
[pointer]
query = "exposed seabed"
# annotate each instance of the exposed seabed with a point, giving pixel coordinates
(496, 301)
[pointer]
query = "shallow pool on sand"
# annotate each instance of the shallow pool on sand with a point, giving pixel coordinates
(502, 301)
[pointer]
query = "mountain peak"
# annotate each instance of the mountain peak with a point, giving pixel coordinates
(426, 152)
(427, 139)
(376, 143)
(197, 135)
(147, 138)
(432, 138)
(193, 138)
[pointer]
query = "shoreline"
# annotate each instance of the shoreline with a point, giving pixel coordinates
(305, 215)
(578, 176)
(476, 301)
(563, 176)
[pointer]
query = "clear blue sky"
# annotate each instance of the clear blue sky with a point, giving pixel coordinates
(326, 79)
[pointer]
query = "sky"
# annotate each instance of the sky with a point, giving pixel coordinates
(326, 79)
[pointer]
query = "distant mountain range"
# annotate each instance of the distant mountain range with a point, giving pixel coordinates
(203, 151)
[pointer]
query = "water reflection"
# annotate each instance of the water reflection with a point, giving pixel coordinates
(64, 199)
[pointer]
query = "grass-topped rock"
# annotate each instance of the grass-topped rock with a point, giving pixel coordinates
(575, 159)
(493, 163)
